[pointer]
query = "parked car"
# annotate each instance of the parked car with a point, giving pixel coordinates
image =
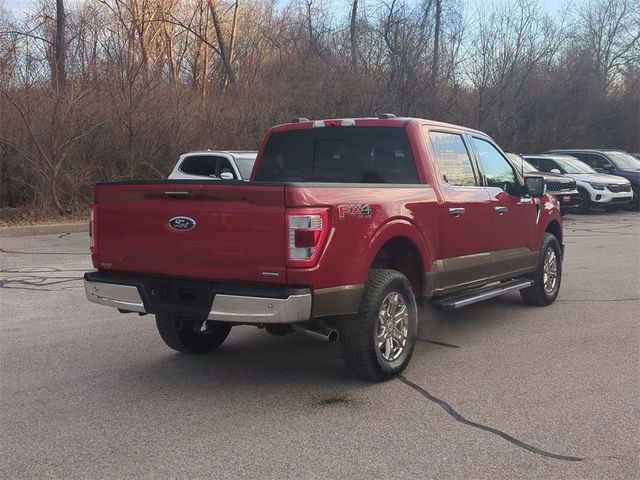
(561, 186)
(596, 189)
(214, 165)
(614, 162)
(344, 224)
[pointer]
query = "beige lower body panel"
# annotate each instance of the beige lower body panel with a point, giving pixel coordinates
(342, 300)
(448, 275)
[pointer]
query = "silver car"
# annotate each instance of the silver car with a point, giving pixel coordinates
(214, 165)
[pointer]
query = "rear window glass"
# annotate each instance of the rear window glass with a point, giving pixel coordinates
(199, 165)
(341, 155)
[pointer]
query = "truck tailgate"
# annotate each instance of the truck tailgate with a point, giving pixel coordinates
(239, 230)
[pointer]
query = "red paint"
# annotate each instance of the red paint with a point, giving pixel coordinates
(242, 230)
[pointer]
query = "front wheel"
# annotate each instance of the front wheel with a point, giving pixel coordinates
(585, 202)
(547, 277)
(635, 204)
(188, 335)
(379, 343)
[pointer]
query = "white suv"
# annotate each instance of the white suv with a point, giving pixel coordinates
(596, 189)
(214, 165)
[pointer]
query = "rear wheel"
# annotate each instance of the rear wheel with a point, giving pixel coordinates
(378, 345)
(547, 277)
(188, 335)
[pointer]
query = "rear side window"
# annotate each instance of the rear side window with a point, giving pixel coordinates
(200, 165)
(340, 154)
(543, 164)
(453, 159)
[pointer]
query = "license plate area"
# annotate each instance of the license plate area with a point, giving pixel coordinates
(180, 297)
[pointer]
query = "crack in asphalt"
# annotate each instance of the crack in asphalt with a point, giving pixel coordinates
(40, 270)
(451, 411)
(36, 283)
(601, 300)
(4, 250)
(435, 342)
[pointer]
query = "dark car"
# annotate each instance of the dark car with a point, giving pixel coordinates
(561, 186)
(614, 162)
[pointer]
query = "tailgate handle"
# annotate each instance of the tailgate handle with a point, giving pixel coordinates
(178, 194)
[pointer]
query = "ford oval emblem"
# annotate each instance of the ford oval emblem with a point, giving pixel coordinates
(182, 224)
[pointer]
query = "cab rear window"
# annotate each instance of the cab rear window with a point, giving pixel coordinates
(340, 155)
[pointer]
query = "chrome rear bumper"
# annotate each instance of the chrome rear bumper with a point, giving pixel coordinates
(124, 297)
(237, 308)
(225, 307)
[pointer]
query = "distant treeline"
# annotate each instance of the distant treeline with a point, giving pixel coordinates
(96, 90)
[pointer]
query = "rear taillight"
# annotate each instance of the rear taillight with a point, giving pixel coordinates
(308, 230)
(93, 228)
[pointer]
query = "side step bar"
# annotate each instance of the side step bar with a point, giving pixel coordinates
(463, 299)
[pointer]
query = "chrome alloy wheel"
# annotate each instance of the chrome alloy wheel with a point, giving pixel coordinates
(550, 270)
(393, 326)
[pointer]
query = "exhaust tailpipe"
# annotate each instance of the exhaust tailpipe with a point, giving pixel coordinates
(319, 332)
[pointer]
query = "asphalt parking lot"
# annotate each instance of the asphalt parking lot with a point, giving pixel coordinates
(495, 390)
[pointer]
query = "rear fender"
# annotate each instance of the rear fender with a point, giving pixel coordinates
(397, 228)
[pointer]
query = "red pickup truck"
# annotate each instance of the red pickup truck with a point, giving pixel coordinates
(343, 227)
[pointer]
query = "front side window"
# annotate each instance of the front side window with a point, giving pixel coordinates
(225, 167)
(593, 160)
(574, 166)
(624, 161)
(498, 172)
(453, 159)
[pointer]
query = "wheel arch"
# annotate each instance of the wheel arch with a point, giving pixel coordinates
(399, 245)
(554, 228)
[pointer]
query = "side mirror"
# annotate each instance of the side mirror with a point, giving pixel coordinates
(226, 176)
(554, 170)
(607, 167)
(534, 186)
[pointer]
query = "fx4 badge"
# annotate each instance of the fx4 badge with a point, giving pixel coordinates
(362, 210)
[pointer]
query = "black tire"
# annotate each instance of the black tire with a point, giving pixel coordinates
(585, 202)
(183, 334)
(611, 208)
(537, 294)
(359, 336)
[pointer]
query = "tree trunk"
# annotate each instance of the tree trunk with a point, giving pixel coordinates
(352, 35)
(436, 43)
(228, 72)
(60, 49)
(232, 42)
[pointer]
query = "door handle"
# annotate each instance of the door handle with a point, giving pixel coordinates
(456, 211)
(178, 194)
(501, 210)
